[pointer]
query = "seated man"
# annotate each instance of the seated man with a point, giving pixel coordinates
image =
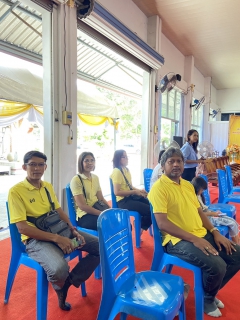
(188, 233)
(29, 198)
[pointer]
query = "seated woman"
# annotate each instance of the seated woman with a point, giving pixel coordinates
(217, 218)
(129, 197)
(87, 193)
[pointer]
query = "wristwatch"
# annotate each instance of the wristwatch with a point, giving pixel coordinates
(214, 229)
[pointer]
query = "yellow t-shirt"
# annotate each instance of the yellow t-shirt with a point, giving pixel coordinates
(91, 186)
(118, 178)
(180, 203)
(26, 200)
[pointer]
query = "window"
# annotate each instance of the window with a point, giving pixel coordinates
(170, 117)
(197, 118)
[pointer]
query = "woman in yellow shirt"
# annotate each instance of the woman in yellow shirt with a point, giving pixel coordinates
(129, 197)
(87, 193)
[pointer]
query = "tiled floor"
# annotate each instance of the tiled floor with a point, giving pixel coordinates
(6, 182)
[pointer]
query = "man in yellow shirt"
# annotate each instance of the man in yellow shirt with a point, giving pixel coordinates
(29, 199)
(187, 232)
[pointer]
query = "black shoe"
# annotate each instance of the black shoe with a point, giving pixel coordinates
(62, 295)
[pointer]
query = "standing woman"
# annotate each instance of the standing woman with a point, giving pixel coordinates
(87, 193)
(128, 197)
(189, 150)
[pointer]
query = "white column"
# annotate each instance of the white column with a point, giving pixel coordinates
(188, 77)
(154, 40)
(206, 109)
(64, 93)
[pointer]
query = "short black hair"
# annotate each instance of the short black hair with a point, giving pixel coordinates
(169, 153)
(199, 183)
(34, 153)
(117, 158)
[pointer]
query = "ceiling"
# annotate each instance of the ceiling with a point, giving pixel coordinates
(206, 29)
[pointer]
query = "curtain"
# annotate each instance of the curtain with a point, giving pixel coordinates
(219, 135)
(11, 111)
(96, 120)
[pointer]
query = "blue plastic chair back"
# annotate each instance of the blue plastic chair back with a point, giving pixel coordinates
(162, 260)
(72, 217)
(206, 192)
(18, 257)
(229, 179)
(222, 186)
(113, 197)
(121, 285)
(147, 173)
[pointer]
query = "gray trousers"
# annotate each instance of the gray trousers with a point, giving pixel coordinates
(51, 258)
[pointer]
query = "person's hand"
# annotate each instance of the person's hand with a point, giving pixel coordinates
(65, 244)
(144, 193)
(79, 237)
(222, 241)
(215, 213)
(205, 246)
(138, 192)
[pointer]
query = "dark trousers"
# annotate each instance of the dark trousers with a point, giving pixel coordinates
(142, 206)
(51, 258)
(88, 221)
(189, 174)
(216, 270)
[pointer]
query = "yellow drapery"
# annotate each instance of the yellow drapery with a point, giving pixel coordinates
(11, 108)
(96, 120)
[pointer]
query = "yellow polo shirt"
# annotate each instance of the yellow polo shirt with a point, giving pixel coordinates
(91, 186)
(180, 203)
(26, 200)
(118, 178)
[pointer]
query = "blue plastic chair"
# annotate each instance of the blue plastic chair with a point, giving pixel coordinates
(72, 217)
(162, 260)
(134, 214)
(147, 295)
(147, 173)
(20, 257)
(229, 209)
(224, 196)
(231, 188)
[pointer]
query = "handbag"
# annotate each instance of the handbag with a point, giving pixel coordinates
(51, 221)
(99, 205)
(134, 197)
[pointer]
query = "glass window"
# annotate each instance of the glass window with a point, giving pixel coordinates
(164, 105)
(171, 103)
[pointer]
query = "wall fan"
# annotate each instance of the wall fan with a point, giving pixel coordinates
(157, 147)
(206, 149)
(214, 113)
(168, 82)
(84, 8)
(197, 103)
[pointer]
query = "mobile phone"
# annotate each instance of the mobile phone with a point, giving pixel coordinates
(222, 214)
(76, 242)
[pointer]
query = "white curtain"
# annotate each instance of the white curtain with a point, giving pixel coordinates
(32, 115)
(219, 135)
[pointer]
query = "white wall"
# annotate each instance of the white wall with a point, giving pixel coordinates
(214, 94)
(229, 100)
(174, 60)
(129, 14)
(198, 80)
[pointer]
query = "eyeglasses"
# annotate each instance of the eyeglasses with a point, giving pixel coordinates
(124, 157)
(89, 160)
(34, 164)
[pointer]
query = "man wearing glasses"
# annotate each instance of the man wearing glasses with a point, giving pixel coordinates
(29, 198)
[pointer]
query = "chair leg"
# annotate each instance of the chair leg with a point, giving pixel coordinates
(199, 298)
(42, 294)
(83, 289)
(150, 230)
(98, 272)
(123, 316)
(13, 268)
(138, 231)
